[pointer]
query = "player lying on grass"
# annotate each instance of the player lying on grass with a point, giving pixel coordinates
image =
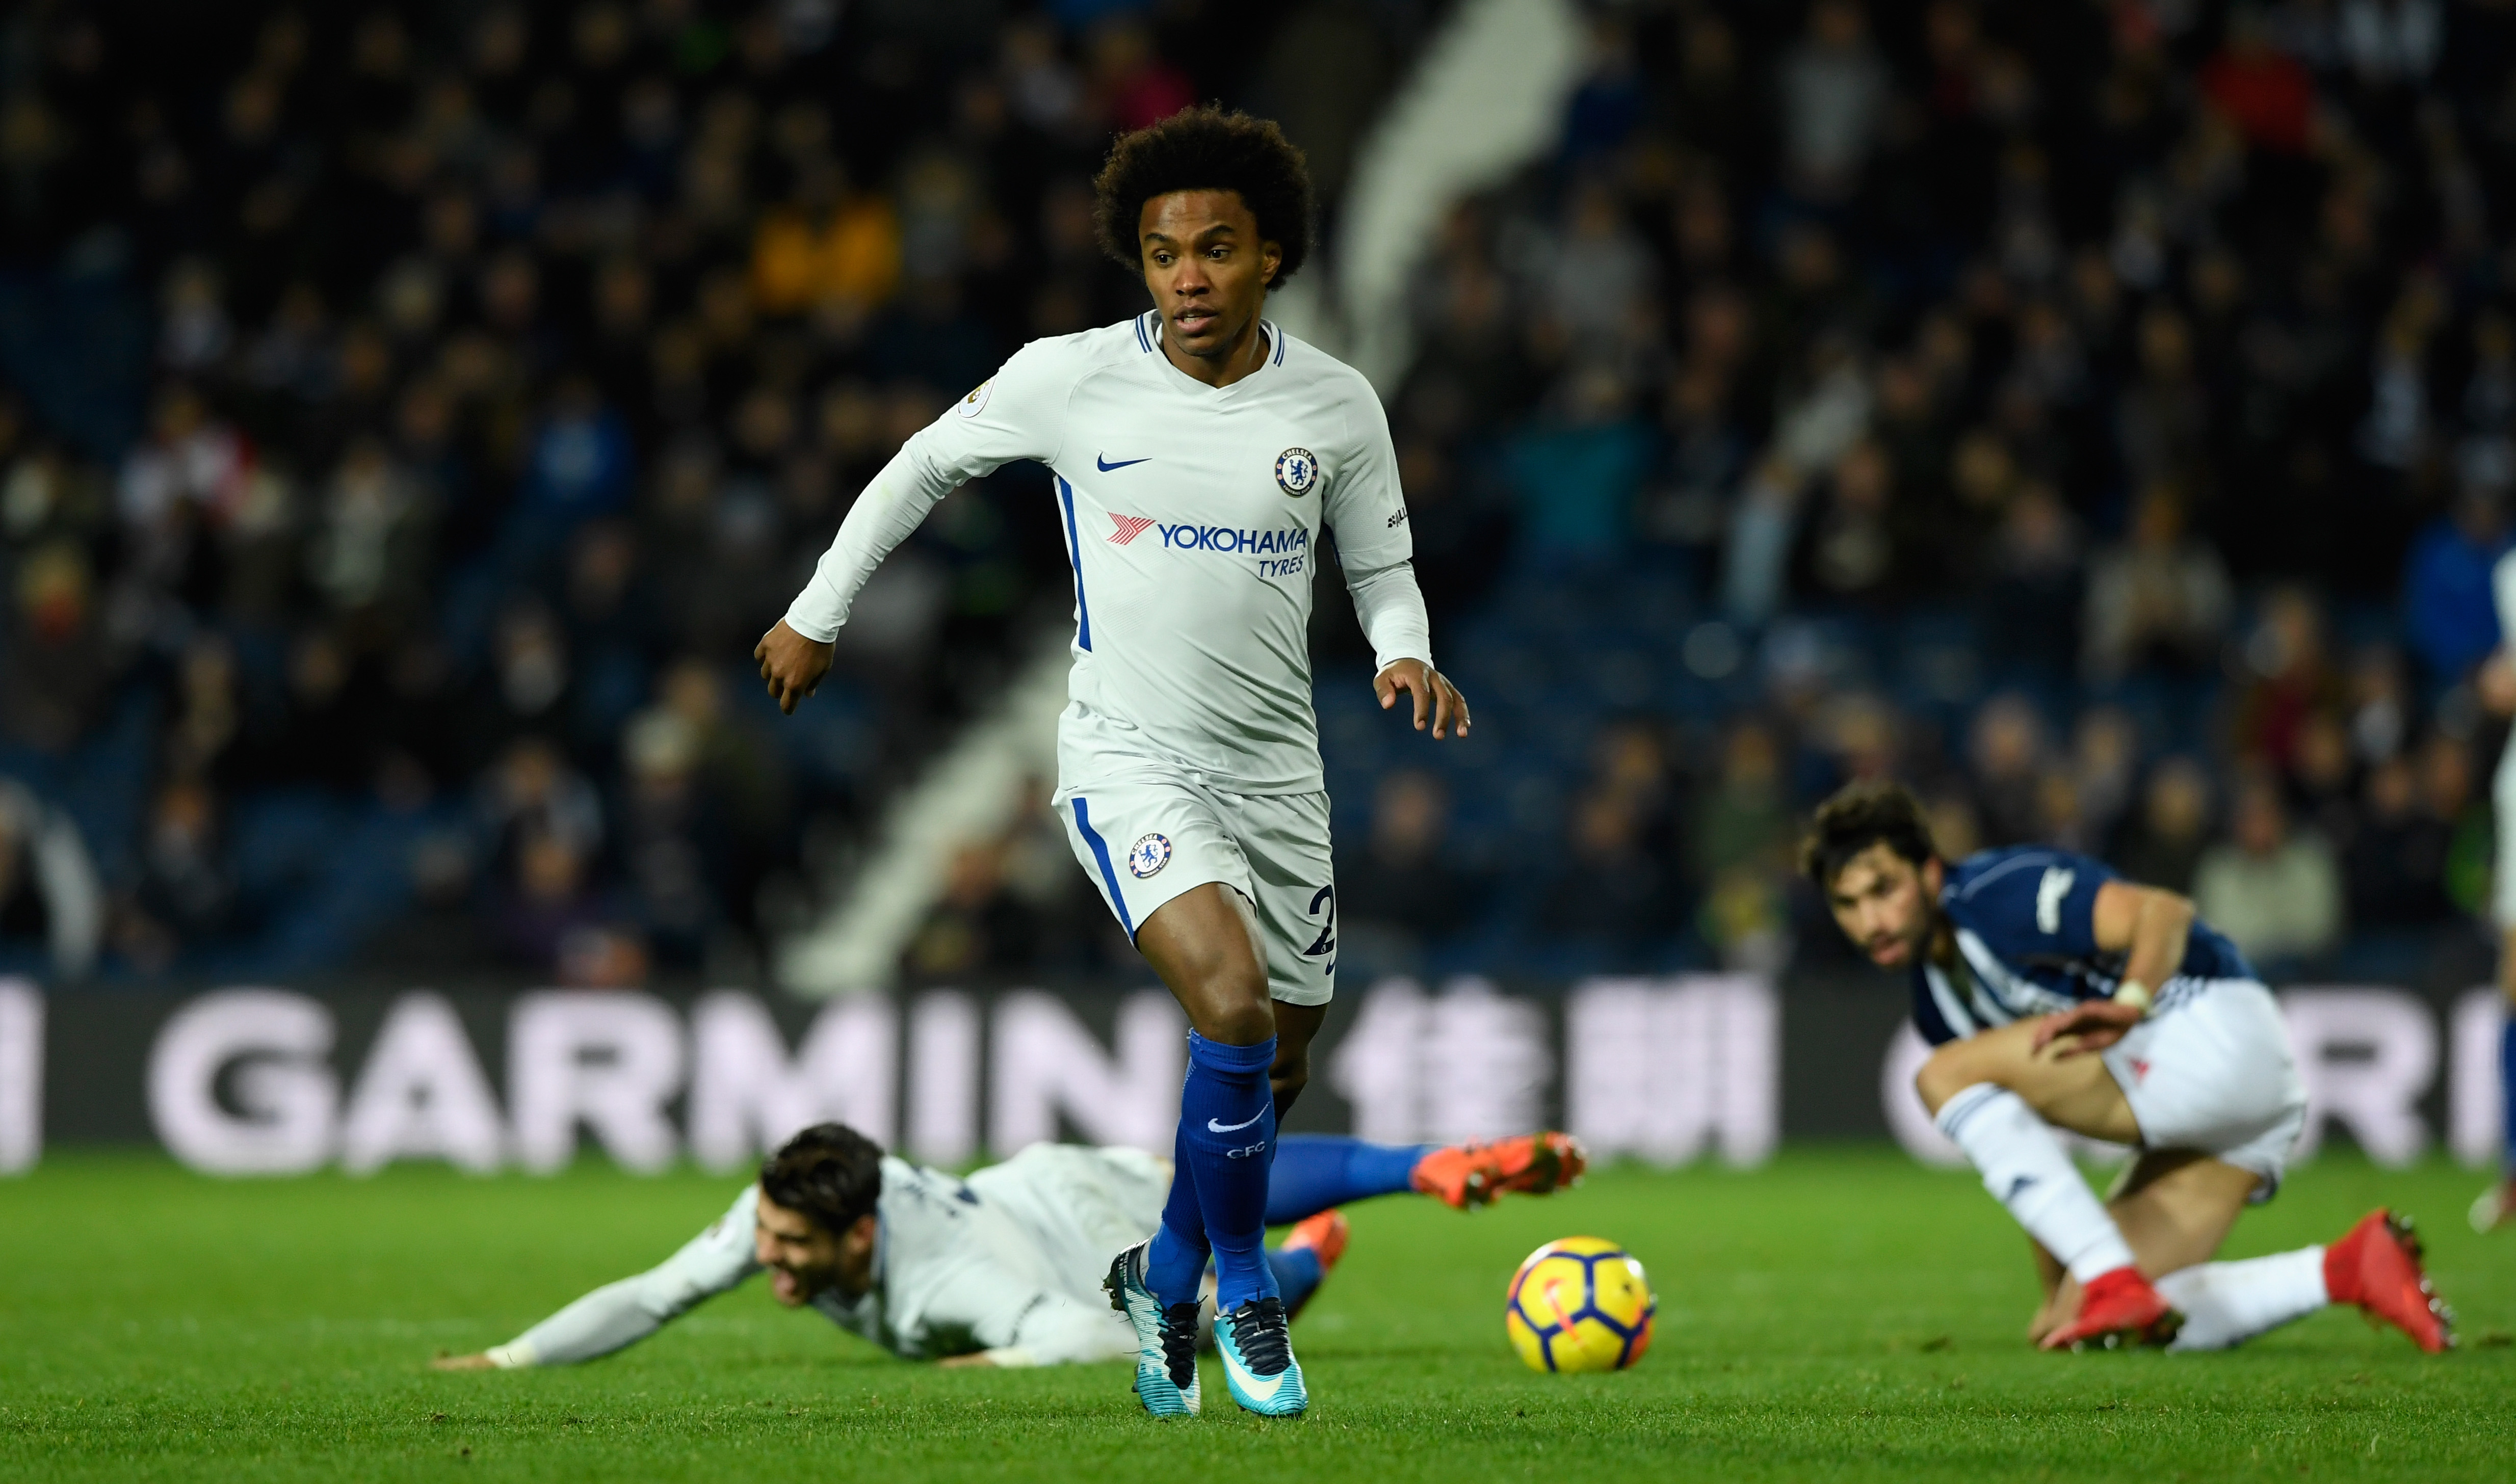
(1202, 460)
(1006, 1267)
(2060, 996)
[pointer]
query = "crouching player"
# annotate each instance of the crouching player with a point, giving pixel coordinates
(1003, 1268)
(2060, 996)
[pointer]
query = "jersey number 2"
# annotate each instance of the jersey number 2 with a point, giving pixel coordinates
(1326, 942)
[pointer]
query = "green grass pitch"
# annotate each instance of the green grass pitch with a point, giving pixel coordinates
(1841, 1314)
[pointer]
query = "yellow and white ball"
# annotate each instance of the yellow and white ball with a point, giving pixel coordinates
(1579, 1303)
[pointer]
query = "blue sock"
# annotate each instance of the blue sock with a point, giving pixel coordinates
(1315, 1172)
(2507, 1086)
(1297, 1274)
(1227, 1122)
(1175, 1267)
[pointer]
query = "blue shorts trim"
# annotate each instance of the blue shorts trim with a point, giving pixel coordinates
(1100, 854)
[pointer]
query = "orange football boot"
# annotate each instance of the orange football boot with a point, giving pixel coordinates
(1465, 1176)
(1325, 1235)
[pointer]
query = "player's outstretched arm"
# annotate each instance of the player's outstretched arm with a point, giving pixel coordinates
(1016, 414)
(791, 664)
(1438, 703)
(619, 1314)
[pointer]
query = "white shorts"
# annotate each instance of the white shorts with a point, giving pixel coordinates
(1144, 841)
(2210, 1069)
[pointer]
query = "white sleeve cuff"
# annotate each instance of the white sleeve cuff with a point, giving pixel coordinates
(514, 1357)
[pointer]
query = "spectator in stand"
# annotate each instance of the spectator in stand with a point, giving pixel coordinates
(2292, 679)
(2265, 94)
(2448, 610)
(1408, 893)
(2397, 865)
(57, 662)
(52, 906)
(2101, 769)
(2447, 796)
(1611, 897)
(1850, 550)
(2320, 783)
(2160, 598)
(552, 917)
(977, 927)
(2034, 580)
(1745, 817)
(2008, 753)
(1579, 470)
(827, 250)
(2165, 841)
(2275, 891)
(185, 895)
(1834, 95)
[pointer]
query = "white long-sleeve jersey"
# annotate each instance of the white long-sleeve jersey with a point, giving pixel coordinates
(1193, 517)
(1007, 1262)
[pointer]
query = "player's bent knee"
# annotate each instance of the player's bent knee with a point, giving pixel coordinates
(1949, 1071)
(1292, 1072)
(1229, 1004)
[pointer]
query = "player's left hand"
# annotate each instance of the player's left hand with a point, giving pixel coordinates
(1436, 700)
(2091, 1026)
(474, 1362)
(956, 1362)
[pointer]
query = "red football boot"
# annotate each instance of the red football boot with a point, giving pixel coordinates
(1464, 1175)
(1324, 1234)
(2377, 1267)
(2115, 1306)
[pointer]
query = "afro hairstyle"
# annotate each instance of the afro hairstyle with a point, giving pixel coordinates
(1207, 148)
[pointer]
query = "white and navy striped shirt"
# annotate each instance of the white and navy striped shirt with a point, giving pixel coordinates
(2024, 919)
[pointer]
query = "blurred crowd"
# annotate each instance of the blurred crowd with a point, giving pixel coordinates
(509, 367)
(2097, 411)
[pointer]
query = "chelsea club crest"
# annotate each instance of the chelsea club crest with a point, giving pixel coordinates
(1296, 471)
(1149, 854)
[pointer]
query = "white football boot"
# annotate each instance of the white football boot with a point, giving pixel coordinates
(1165, 1338)
(1258, 1365)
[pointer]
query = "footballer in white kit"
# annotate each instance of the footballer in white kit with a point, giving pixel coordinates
(1003, 1267)
(1194, 518)
(1201, 459)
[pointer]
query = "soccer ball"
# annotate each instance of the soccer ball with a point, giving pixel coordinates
(1579, 1303)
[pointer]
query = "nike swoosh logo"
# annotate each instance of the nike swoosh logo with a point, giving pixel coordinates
(1236, 1127)
(1102, 460)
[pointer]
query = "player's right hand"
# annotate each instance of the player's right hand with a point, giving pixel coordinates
(1436, 700)
(2091, 1026)
(791, 664)
(475, 1362)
